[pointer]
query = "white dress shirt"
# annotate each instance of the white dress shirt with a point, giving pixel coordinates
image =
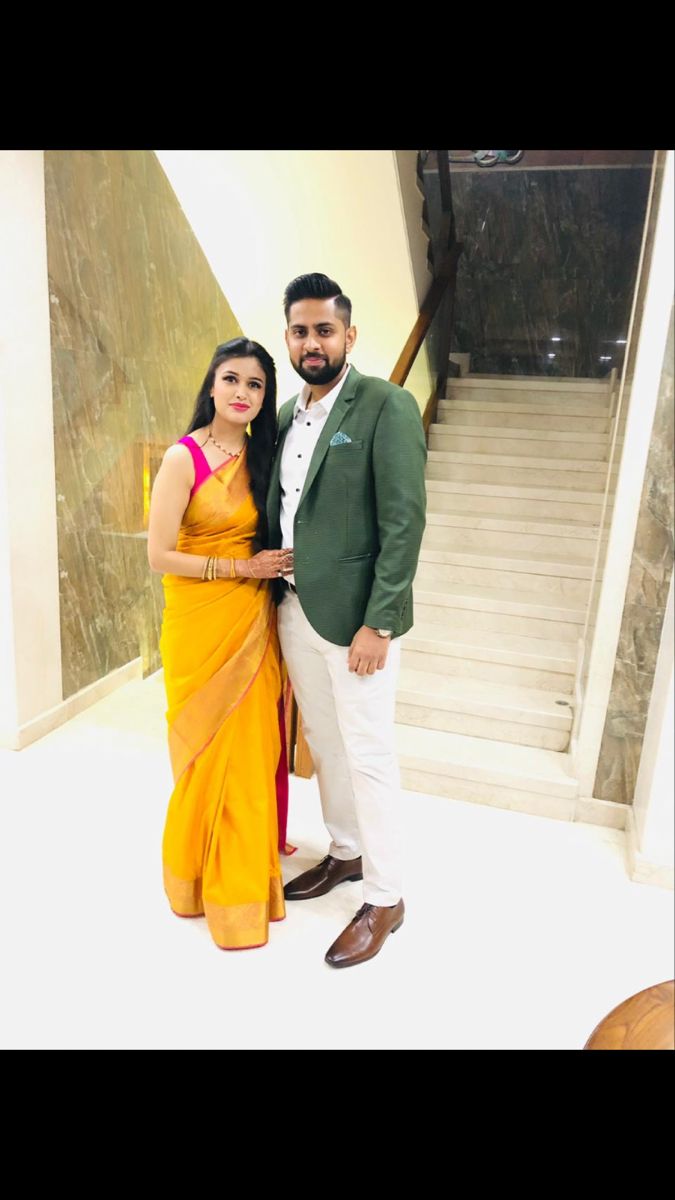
(299, 447)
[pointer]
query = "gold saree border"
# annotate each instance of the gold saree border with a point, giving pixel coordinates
(232, 926)
(184, 895)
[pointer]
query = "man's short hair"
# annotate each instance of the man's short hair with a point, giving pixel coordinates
(318, 287)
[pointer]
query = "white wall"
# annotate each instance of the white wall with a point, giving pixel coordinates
(30, 645)
(8, 712)
(263, 217)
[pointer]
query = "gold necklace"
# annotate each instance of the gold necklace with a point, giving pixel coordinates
(232, 453)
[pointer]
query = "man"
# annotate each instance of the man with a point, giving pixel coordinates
(347, 494)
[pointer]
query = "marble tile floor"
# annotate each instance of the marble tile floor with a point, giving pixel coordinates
(521, 932)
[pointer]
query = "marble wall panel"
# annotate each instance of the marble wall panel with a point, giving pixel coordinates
(135, 315)
(644, 609)
(546, 253)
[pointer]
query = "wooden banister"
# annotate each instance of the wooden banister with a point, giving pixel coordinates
(446, 276)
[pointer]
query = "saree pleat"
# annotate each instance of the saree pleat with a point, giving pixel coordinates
(223, 683)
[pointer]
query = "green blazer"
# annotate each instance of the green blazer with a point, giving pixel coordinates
(361, 515)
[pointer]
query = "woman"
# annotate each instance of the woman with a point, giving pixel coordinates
(220, 654)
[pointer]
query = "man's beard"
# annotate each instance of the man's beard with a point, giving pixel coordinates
(322, 374)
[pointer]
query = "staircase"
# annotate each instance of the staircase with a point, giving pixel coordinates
(515, 478)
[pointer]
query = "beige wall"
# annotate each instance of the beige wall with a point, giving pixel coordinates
(263, 217)
(412, 202)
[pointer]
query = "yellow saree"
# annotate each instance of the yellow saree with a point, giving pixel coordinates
(223, 684)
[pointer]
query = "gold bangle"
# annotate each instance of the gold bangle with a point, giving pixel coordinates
(205, 569)
(233, 570)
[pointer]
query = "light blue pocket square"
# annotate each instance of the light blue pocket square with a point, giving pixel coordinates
(339, 439)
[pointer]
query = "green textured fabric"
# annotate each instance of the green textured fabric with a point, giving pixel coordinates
(361, 515)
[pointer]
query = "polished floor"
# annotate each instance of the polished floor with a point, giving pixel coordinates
(521, 932)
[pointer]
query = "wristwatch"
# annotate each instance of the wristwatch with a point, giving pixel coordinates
(383, 633)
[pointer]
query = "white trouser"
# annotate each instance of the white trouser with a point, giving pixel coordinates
(348, 721)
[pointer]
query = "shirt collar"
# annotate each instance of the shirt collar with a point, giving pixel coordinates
(324, 404)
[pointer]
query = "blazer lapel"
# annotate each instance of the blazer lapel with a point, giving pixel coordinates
(333, 422)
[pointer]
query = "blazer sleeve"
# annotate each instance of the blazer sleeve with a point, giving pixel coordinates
(399, 458)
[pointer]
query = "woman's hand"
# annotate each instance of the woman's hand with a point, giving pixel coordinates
(267, 564)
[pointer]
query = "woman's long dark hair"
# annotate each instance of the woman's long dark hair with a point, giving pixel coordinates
(263, 428)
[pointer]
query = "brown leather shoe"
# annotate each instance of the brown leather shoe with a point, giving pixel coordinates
(323, 878)
(365, 935)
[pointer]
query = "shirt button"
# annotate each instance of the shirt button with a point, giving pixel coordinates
(299, 456)
(297, 489)
(308, 422)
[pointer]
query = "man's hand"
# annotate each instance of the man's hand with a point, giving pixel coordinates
(368, 652)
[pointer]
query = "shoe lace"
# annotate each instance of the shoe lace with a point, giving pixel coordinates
(363, 911)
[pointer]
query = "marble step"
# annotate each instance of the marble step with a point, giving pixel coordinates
(517, 470)
(559, 575)
(483, 771)
(592, 395)
(540, 524)
(559, 383)
(463, 606)
(466, 618)
(539, 443)
(521, 432)
(449, 531)
(504, 647)
(596, 405)
(446, 495)
(501, 657)
(532, 416)
(502, 599)
(482, 708)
